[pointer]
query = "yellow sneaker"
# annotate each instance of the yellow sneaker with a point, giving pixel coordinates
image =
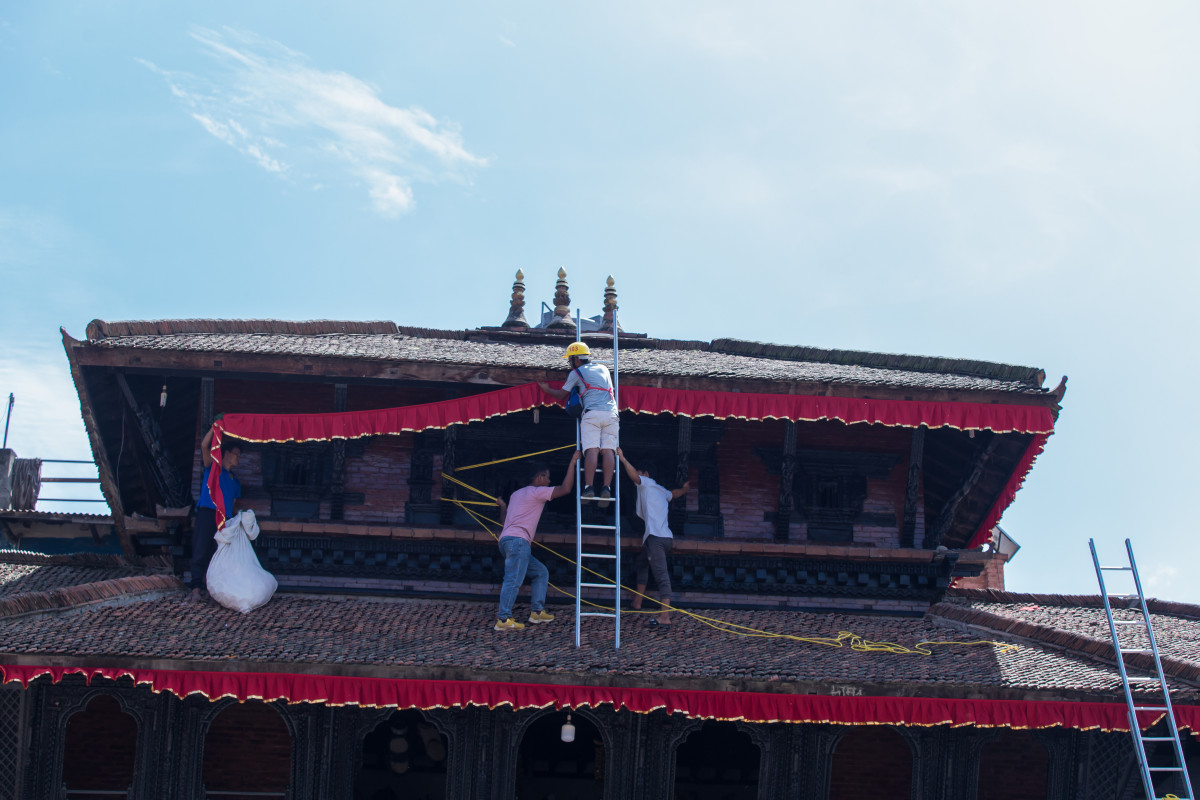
(509, 624)
(538, 617)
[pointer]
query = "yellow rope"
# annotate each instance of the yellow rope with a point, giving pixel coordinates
(843, 638)
(514, 458)
(468, 486)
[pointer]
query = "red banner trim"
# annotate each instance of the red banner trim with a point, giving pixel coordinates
(747, 706)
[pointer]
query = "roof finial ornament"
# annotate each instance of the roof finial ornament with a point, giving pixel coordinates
(610, 307)
(562, 305)
(516, 311)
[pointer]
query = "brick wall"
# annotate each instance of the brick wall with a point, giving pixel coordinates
(247, 749)
(99, 747)
(871, 762)
(747, 489)
(992, 576)
(748, 492)
(381, 473)
(1014, 766)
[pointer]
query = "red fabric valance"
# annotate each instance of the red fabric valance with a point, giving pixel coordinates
(748, 706)
(646, 400)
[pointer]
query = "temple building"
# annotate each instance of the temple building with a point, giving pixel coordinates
(844, 628)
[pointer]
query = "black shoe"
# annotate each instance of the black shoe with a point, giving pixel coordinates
(605, 497)
(587, 493)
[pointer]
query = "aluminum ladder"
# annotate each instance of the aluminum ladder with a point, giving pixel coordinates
(1156, 682)
(615, 527)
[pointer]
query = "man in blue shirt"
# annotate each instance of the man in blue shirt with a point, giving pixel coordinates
(205, 527)
(599, 428)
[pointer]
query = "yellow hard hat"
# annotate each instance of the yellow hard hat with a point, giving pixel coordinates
(577, 349)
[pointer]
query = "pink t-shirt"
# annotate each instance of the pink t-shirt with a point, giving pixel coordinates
(524, 510)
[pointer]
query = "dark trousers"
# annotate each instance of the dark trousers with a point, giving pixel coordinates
(203, 545)
(652, 558)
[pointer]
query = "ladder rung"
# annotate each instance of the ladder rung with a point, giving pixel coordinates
(1123, 597)
(1157, 738)
(1122, 569)
(1129, 622)
(597, 555)
(599, 527)
(1165, 769)
(598, 499)
(596, 614)
(1143, 678)
(1136, 650)
(600, 585)
(1149, 708)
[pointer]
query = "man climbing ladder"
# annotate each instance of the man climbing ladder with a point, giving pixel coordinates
(599, 428)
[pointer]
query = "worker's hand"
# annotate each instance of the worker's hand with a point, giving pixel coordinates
(575, 457)
(545, 387)
(687, 486)
(619, 453)
(500, 502)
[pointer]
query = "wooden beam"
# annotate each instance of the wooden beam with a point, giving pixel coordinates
(934, 535)
(916, 454)
(683, 451)
(167, 480)
(108, 485)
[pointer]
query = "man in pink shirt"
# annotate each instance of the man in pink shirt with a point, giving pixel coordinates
(520, 516)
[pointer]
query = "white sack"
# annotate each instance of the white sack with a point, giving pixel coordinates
(235, 578)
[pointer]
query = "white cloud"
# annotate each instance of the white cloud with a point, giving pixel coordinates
(316, 126)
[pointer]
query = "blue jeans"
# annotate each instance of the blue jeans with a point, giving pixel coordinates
(517, 561)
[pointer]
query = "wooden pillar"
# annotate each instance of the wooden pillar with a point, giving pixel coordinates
(912, 492)
(208, 391)
(449, 441)
(677, 515)
(337, 498)
(787, 479)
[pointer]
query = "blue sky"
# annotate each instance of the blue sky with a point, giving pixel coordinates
(1015, 182)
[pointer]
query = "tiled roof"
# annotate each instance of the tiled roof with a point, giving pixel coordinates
(722, 358)
(22, 572)
(32, 582)
(410, 638)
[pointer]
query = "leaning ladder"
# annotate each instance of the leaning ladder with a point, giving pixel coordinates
(615, 527)
(1156, 682)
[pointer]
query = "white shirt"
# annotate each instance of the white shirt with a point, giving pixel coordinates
(600, 396)
(652, 505)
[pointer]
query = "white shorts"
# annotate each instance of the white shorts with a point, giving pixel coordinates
(599, 429)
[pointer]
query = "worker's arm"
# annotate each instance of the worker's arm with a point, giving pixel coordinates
(568, 482)
(205, 455)
(503, 509)
(550, 390)
(682, 490)
(630, 470)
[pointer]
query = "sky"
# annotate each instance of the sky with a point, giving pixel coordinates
(1016, 182)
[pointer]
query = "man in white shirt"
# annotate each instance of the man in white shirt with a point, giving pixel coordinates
(600, 425)
(652, 506)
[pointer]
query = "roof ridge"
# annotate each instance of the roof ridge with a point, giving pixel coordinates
(99, 329)
(84, 593)
(1154, 605)
(65, 559)
(897, 361)
(1089, 646)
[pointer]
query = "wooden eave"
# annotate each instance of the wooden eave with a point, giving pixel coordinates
(108, 485)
